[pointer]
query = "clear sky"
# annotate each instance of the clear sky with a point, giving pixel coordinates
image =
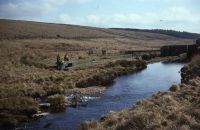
(182, 15)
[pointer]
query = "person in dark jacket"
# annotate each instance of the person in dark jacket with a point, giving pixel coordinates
(58, 62)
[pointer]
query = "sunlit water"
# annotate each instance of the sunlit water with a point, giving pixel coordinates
(124, 93)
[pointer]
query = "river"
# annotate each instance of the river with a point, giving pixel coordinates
(123, 94)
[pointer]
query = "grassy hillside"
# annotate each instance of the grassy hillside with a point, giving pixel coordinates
(177, 34)
(12, 29)
(23, 29)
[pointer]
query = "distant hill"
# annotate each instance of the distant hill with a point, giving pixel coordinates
(177, 34)
(17, 29)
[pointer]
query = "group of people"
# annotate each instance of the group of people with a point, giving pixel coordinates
(60, 64)
(64, 64)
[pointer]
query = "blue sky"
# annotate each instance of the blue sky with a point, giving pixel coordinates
(182, 15)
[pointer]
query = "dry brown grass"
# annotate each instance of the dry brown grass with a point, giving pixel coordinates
(195, 63)
(57, 102)
(178, 109)
(15, 109)
(11, 29)
(25, 69)
(28, 51)
(191, 70)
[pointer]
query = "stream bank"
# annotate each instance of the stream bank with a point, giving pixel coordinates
(105, 74)
(83, 80)
(125, 91)
(178, 108)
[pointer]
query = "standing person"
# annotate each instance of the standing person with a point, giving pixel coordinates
(66, 58)
(66, 62)
(58, 62)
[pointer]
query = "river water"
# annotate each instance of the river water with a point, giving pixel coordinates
(124, 93)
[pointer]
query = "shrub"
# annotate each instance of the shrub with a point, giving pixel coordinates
(33, 59)
(8, 122)
(57, 102)
(51, 90)
(19, 105)
(146, 56)
(16, 109)
(174, 88)
(88, 125)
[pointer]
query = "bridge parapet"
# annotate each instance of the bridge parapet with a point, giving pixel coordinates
(175, 50)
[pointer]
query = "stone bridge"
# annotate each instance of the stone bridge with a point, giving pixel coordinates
(174, 50)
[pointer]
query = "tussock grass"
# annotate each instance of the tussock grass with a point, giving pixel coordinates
(191, 70)
(195, 63)
(26, 69)
(177, 109)
(57, 102)
(174, 88)
(106, 73)
(15, 109)
(27, 60)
